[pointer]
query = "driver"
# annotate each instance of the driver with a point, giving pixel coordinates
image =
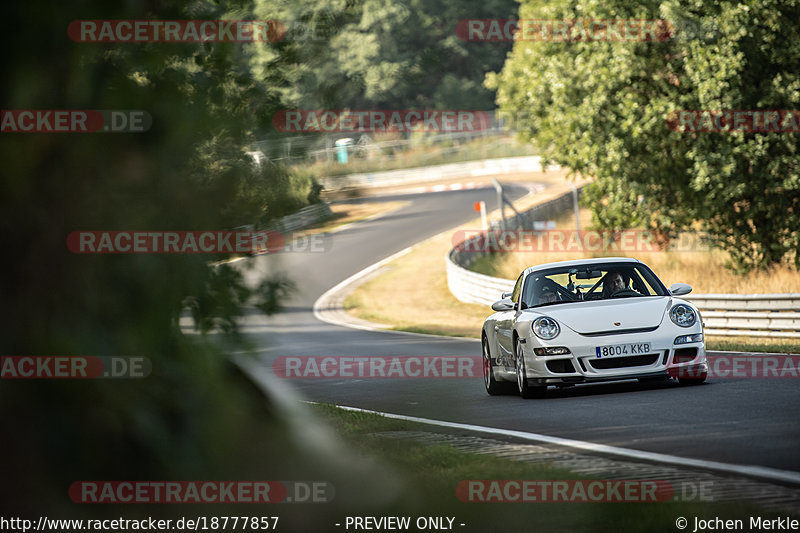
(547, 295)
(614, 281)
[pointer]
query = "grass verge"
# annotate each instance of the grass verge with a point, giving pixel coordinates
(430, 475)
(422, 155)
(753, 344)
(348, 213)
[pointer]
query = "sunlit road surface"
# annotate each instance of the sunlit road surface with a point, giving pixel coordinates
(741, 421)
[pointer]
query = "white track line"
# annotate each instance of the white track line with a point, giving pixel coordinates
(320, 307)
(784, 476)
(322, 303)
(761, 472)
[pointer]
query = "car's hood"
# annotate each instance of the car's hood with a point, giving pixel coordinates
(610, 315)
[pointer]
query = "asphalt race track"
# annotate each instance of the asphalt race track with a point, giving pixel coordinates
(738, 421)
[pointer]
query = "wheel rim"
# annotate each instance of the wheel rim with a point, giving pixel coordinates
(520, 367)
(487, 365)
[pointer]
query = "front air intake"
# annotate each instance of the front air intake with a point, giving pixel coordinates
(624, 362)
(561, 366)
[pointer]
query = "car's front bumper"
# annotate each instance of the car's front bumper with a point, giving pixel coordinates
(582, 365)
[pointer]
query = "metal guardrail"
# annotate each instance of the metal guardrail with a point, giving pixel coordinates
(322, 146)
(769, 315)
(763, 315)
(473, 288)
(486, 167)
(304, 217)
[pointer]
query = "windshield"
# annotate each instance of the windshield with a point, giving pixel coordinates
(590, 282)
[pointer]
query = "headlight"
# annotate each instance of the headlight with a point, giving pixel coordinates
(683, 315)
(546, 328)
(687, 339)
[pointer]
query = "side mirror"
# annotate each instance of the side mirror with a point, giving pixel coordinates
(679, 289)
(503, 305)
(506, 295)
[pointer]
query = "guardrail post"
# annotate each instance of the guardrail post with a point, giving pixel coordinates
(502, 201)
(500, 204)
(577, 215)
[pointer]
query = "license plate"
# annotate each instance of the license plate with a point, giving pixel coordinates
(636, 348)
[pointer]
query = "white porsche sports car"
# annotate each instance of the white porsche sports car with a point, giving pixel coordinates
(591, 320)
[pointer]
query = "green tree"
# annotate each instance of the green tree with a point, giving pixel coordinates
(381, 54)
(188, 172)
(602, 109)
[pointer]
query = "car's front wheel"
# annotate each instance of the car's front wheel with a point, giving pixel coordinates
(692, 375)
(525, 390)
(493, 387)
(693, 380)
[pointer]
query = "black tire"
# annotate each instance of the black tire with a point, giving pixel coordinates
(692, 381)
(493, 387)
(525, 390)
(692, 375)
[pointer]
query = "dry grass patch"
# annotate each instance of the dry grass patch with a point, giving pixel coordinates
(514, 177)
(421, 301)
(753, 344)
(422, 155)
(346, 213)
